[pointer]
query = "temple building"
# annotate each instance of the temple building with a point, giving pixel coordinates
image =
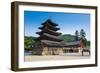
(49, 42)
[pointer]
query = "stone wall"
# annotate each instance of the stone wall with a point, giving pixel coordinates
(55, 50)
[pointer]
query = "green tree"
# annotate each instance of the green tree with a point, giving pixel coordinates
(82, 34)
(28, 42)
(83, 37)
(76, 35)
(84, 42)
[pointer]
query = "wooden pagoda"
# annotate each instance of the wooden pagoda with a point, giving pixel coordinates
(49, 42)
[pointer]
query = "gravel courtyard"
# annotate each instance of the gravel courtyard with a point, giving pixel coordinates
(29, 58)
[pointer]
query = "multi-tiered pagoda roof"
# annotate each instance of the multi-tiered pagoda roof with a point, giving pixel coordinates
(48, 34)
(50, 37)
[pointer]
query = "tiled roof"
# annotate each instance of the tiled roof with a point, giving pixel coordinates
(52, 36)
(49, 21)
(60, 44)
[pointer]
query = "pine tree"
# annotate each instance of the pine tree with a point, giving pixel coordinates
(76, 35)
(82, 34)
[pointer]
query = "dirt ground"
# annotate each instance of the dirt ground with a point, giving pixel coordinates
(29, 58)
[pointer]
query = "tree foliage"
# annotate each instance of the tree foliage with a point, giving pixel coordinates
(76, 35)
(82, 34)
(29, 42)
